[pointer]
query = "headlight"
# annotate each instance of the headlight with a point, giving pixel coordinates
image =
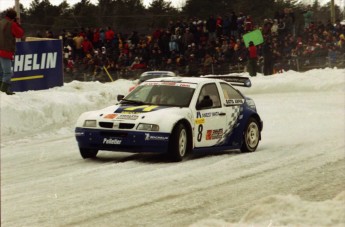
(90, 123)
(148, 127)
(251, 104)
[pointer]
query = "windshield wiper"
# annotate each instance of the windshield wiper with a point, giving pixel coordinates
(132, 101)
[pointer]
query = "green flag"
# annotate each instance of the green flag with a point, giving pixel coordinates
(255, 36)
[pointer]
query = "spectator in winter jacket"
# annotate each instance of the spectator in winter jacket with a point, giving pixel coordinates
(207, 63)
(341, 43)
(274, 28)
(96, 38)
(248, 24)
(78, 40)
(87, 46)
(211, 26)
(252, 58)
(233, 25)
(109, 35)
(240, 24)
(308, 16)
(268, 57)
(137, 64)
(10, 29)
(266, 28)
(219, 26)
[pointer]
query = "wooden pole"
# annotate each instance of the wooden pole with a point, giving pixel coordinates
(105, 69)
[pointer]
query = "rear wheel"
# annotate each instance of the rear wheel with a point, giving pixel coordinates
(88, 153)
(178, 144)
(251, 136)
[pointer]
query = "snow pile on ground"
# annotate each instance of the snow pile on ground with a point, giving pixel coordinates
(288, 210)
(54, 109)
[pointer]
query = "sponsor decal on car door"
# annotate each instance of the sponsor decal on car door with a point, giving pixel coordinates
(209, 127)
(210, 120)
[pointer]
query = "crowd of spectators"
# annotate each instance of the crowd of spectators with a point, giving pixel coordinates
(201, 46)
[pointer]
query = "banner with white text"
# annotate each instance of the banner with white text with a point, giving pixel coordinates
(37, 65)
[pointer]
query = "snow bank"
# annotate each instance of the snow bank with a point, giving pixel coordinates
(56, 108)
(288, 210)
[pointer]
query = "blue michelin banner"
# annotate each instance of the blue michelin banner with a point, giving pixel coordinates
(37, 65)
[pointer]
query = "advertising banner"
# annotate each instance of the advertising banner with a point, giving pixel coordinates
(37, 65)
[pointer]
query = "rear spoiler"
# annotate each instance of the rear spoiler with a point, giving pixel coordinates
(234, 80)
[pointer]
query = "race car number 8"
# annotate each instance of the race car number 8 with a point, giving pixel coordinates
(200, 128)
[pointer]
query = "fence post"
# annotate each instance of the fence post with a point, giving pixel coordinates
(105, 69)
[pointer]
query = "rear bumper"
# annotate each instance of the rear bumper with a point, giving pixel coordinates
(119, 140)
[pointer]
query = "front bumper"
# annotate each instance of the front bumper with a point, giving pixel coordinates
(122, 140)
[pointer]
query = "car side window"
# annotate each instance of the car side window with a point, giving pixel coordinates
(229, 92)
(210, 91)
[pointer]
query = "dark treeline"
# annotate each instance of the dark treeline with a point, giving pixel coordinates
(131, 15)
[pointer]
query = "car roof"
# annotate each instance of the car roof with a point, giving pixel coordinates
(196, 80)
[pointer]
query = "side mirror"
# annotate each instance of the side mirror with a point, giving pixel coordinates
(120, 97)
(205, 103)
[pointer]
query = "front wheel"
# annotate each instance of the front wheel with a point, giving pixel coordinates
(88, 153)
(178, 144)
(251, 136)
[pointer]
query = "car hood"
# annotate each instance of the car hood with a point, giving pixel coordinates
(165, 116)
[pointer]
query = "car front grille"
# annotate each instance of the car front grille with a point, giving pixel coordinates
(121, 125)
(126, 126)
(106, 124)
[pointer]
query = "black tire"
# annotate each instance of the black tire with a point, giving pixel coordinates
(251, 136)
(88, 153)
(178, 143)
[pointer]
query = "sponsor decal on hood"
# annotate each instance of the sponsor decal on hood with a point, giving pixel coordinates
(126, 109)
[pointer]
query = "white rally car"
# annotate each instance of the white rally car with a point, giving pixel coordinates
(176, 116)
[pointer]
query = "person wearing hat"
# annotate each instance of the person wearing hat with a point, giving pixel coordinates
(10, 29)
(252, 59)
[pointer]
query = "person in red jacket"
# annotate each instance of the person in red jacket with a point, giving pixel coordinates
(109, 35)
(87, 46)
(252, 59)
(10, 29)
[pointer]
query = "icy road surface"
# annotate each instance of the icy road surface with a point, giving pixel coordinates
(296, 177)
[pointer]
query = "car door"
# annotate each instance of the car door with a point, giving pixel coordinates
(210, 121)
(232, 101)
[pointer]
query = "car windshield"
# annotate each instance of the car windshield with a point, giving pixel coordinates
(160, 93)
